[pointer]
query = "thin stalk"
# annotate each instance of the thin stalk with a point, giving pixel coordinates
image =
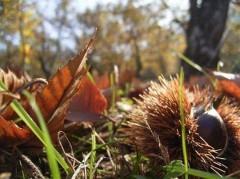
(93, 156)
(183, 129)
(113, 87)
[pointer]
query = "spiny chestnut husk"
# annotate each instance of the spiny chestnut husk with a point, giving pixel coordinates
(212, 135)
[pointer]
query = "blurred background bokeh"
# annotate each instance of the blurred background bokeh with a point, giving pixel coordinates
(142, 36)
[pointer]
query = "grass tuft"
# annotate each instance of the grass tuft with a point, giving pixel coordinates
(39, 133)
(51, 155)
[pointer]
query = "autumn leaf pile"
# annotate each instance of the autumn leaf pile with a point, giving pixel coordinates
(69, 96)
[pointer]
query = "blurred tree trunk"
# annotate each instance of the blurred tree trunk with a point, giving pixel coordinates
(21, 34)
(137, 57)
(43, 54)
(204, 33)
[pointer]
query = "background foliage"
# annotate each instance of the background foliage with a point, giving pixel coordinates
(137, 35)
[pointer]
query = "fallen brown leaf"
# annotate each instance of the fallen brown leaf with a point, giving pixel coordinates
(11, 133)
(88, 103)
(228, 83)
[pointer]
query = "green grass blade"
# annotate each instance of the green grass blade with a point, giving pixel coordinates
(191, 63)
(17, 107)
(90, 76)
(183, 129)
(93, 157)
(202, 174)
(55, 173)
(197, 67)
(176, 168)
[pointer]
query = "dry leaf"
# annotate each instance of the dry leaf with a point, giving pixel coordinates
(12, 81)
(16, 82)
(228, 83)
(11, 133)
(229, 87)
(227, 76)
(88, 103)
(55, 97)
(102, 81)
(69, 88)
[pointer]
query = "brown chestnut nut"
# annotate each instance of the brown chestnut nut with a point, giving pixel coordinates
(212, 129)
